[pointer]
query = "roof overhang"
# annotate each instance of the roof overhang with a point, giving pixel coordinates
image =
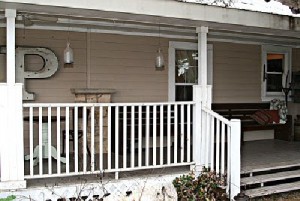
(173, 15)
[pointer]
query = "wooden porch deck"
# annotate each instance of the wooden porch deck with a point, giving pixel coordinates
(256, 156)
(266, 154)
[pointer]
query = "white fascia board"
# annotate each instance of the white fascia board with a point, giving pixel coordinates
(172, 9)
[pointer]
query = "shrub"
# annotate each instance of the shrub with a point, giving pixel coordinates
(9, 198)
(207, 186)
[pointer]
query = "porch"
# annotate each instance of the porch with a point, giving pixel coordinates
(270, 166)
(126, 140)
(117, 50)
(262, 160)
(258, 155)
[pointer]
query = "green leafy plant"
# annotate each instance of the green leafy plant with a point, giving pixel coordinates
(207, 186)
(9, 198)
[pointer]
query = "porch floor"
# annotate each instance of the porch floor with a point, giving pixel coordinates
(267, 154)
(255, 156)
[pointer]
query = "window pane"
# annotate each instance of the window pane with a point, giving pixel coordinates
(184, 93)
(274, 83)
(275, 62)
(186, 66)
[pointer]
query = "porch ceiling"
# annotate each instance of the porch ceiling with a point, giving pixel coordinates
(279, 30)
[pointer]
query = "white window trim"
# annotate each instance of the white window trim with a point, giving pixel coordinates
(173, 45)
(287, 51)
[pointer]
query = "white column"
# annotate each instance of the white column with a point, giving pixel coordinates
(198, 154)
(202, 55)
(11, 119)
(10, 15)
(235, 157)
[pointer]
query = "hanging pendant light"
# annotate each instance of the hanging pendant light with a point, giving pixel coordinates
(68, 53)
(159, 61)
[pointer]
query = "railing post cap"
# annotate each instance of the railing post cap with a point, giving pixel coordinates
(235, 120)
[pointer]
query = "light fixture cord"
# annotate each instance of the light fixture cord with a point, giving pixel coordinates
(68, 40)
(159, 34)
(23, 18)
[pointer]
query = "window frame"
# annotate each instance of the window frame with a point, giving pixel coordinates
(176, 45)
(287, 52)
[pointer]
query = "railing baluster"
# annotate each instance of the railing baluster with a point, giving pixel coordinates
(41, 140)
(223, 149)
(203, 136)
(161, 151)
(101, 144)
(207, 140)
(140, 137)
(76, 138)
(154, 135)
(188, 138)
(175, 133)
(181, 133)
(218, 147)
(58, 139)
(124, 136)
(132, 136)
(67, 140)
(212, 146)
(31, 140)
(117, 138)
(84, 122)
(109, 139)
(93, 138)
(147, 134)
(169, 135)
(228, 175)
(49, 142)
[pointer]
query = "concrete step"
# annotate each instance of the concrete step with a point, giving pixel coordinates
(261, 179)
(268, 190)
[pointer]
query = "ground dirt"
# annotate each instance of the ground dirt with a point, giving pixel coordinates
(293, 196)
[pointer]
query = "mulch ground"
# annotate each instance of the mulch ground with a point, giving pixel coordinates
(294, 196)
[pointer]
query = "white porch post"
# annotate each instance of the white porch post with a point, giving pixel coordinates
(202, 97)
(10, 15)
(202, 55)
(235, 157)
(11, 121)
(197, 129)
(202, 66)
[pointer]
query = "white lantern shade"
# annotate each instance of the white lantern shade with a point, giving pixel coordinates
(68, 55)
(159, 61)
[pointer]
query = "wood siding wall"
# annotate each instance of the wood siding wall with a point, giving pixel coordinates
(123, 63)
(126, 63)
(237, 73)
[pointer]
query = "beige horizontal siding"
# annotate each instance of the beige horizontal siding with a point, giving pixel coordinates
(237, 73)
(126, 64)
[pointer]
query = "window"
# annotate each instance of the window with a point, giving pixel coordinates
(186, 74)
(183, 69)
(276, 71)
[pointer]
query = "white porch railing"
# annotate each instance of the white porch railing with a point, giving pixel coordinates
(221, 148)
(107, 137)
(114, 137)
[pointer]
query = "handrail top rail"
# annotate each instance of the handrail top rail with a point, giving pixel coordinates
(105, 104)
(216, 115)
